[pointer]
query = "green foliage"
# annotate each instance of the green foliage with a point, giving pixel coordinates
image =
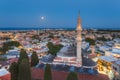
(91, 41)
(24, 70)
(9, 45)
(102, 39)
(1, 49)
(21, 70)
(51, 35)
(3, 59)
(47, 73)
(34, 59)
(72, 76)
(14, 71)
(23, 55)
(36, 37)
(53, 49)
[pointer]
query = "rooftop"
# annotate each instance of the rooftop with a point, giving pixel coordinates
(67, 51)
(61, 75)
(5, 77)
(108, 58)
(117, 62)
(3, 72)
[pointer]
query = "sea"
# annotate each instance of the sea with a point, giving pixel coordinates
(10, 29)
(15, 28)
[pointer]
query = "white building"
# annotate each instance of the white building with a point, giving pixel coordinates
(85, 45)
(3, 72)
(104, 48)
(105, 65)
(116, 50)
(116, 69)
(12, 54)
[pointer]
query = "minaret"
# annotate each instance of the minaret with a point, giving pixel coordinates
(78, 40)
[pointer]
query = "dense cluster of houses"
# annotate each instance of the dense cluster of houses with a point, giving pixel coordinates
(108, 59)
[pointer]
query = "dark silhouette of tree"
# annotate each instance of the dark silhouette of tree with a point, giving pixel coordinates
(72, 76)
(21, 70)
(23, 55)
(14, 71)
(51, 35)
(47, 73)
(34, 59)
(91, 41)
(24, 70)
(102, 38)
(8, 45)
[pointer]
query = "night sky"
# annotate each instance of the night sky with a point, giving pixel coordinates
(59, 13)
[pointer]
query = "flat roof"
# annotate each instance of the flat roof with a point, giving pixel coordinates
(117, 62)
(3, 72)
(108, 58)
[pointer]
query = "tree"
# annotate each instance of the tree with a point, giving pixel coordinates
(1, 50)
(47, 73)
(51, 35)
(14, 71)
(53, 49)
(36, 37)
(8, 45)
(34, 59)
(102, 38)
(92, 44)
(24, 70)
(23, 55)
(72, 76)
(91, 41)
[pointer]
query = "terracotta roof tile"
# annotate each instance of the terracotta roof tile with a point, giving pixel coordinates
(5, 77)
(61, 75)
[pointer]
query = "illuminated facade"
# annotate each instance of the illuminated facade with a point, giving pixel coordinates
(104, 64)
(116, 69)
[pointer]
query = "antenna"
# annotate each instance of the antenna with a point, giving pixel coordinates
(79, 13)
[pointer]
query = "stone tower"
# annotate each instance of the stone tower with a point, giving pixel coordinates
(78, 41)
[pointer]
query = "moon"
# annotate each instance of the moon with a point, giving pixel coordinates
(42, 17)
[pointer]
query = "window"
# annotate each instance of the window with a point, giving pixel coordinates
(115, 68)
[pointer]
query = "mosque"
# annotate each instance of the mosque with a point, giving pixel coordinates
(75, 55)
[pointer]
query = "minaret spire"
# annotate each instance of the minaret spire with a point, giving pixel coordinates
(79, 22)
(79, 40)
